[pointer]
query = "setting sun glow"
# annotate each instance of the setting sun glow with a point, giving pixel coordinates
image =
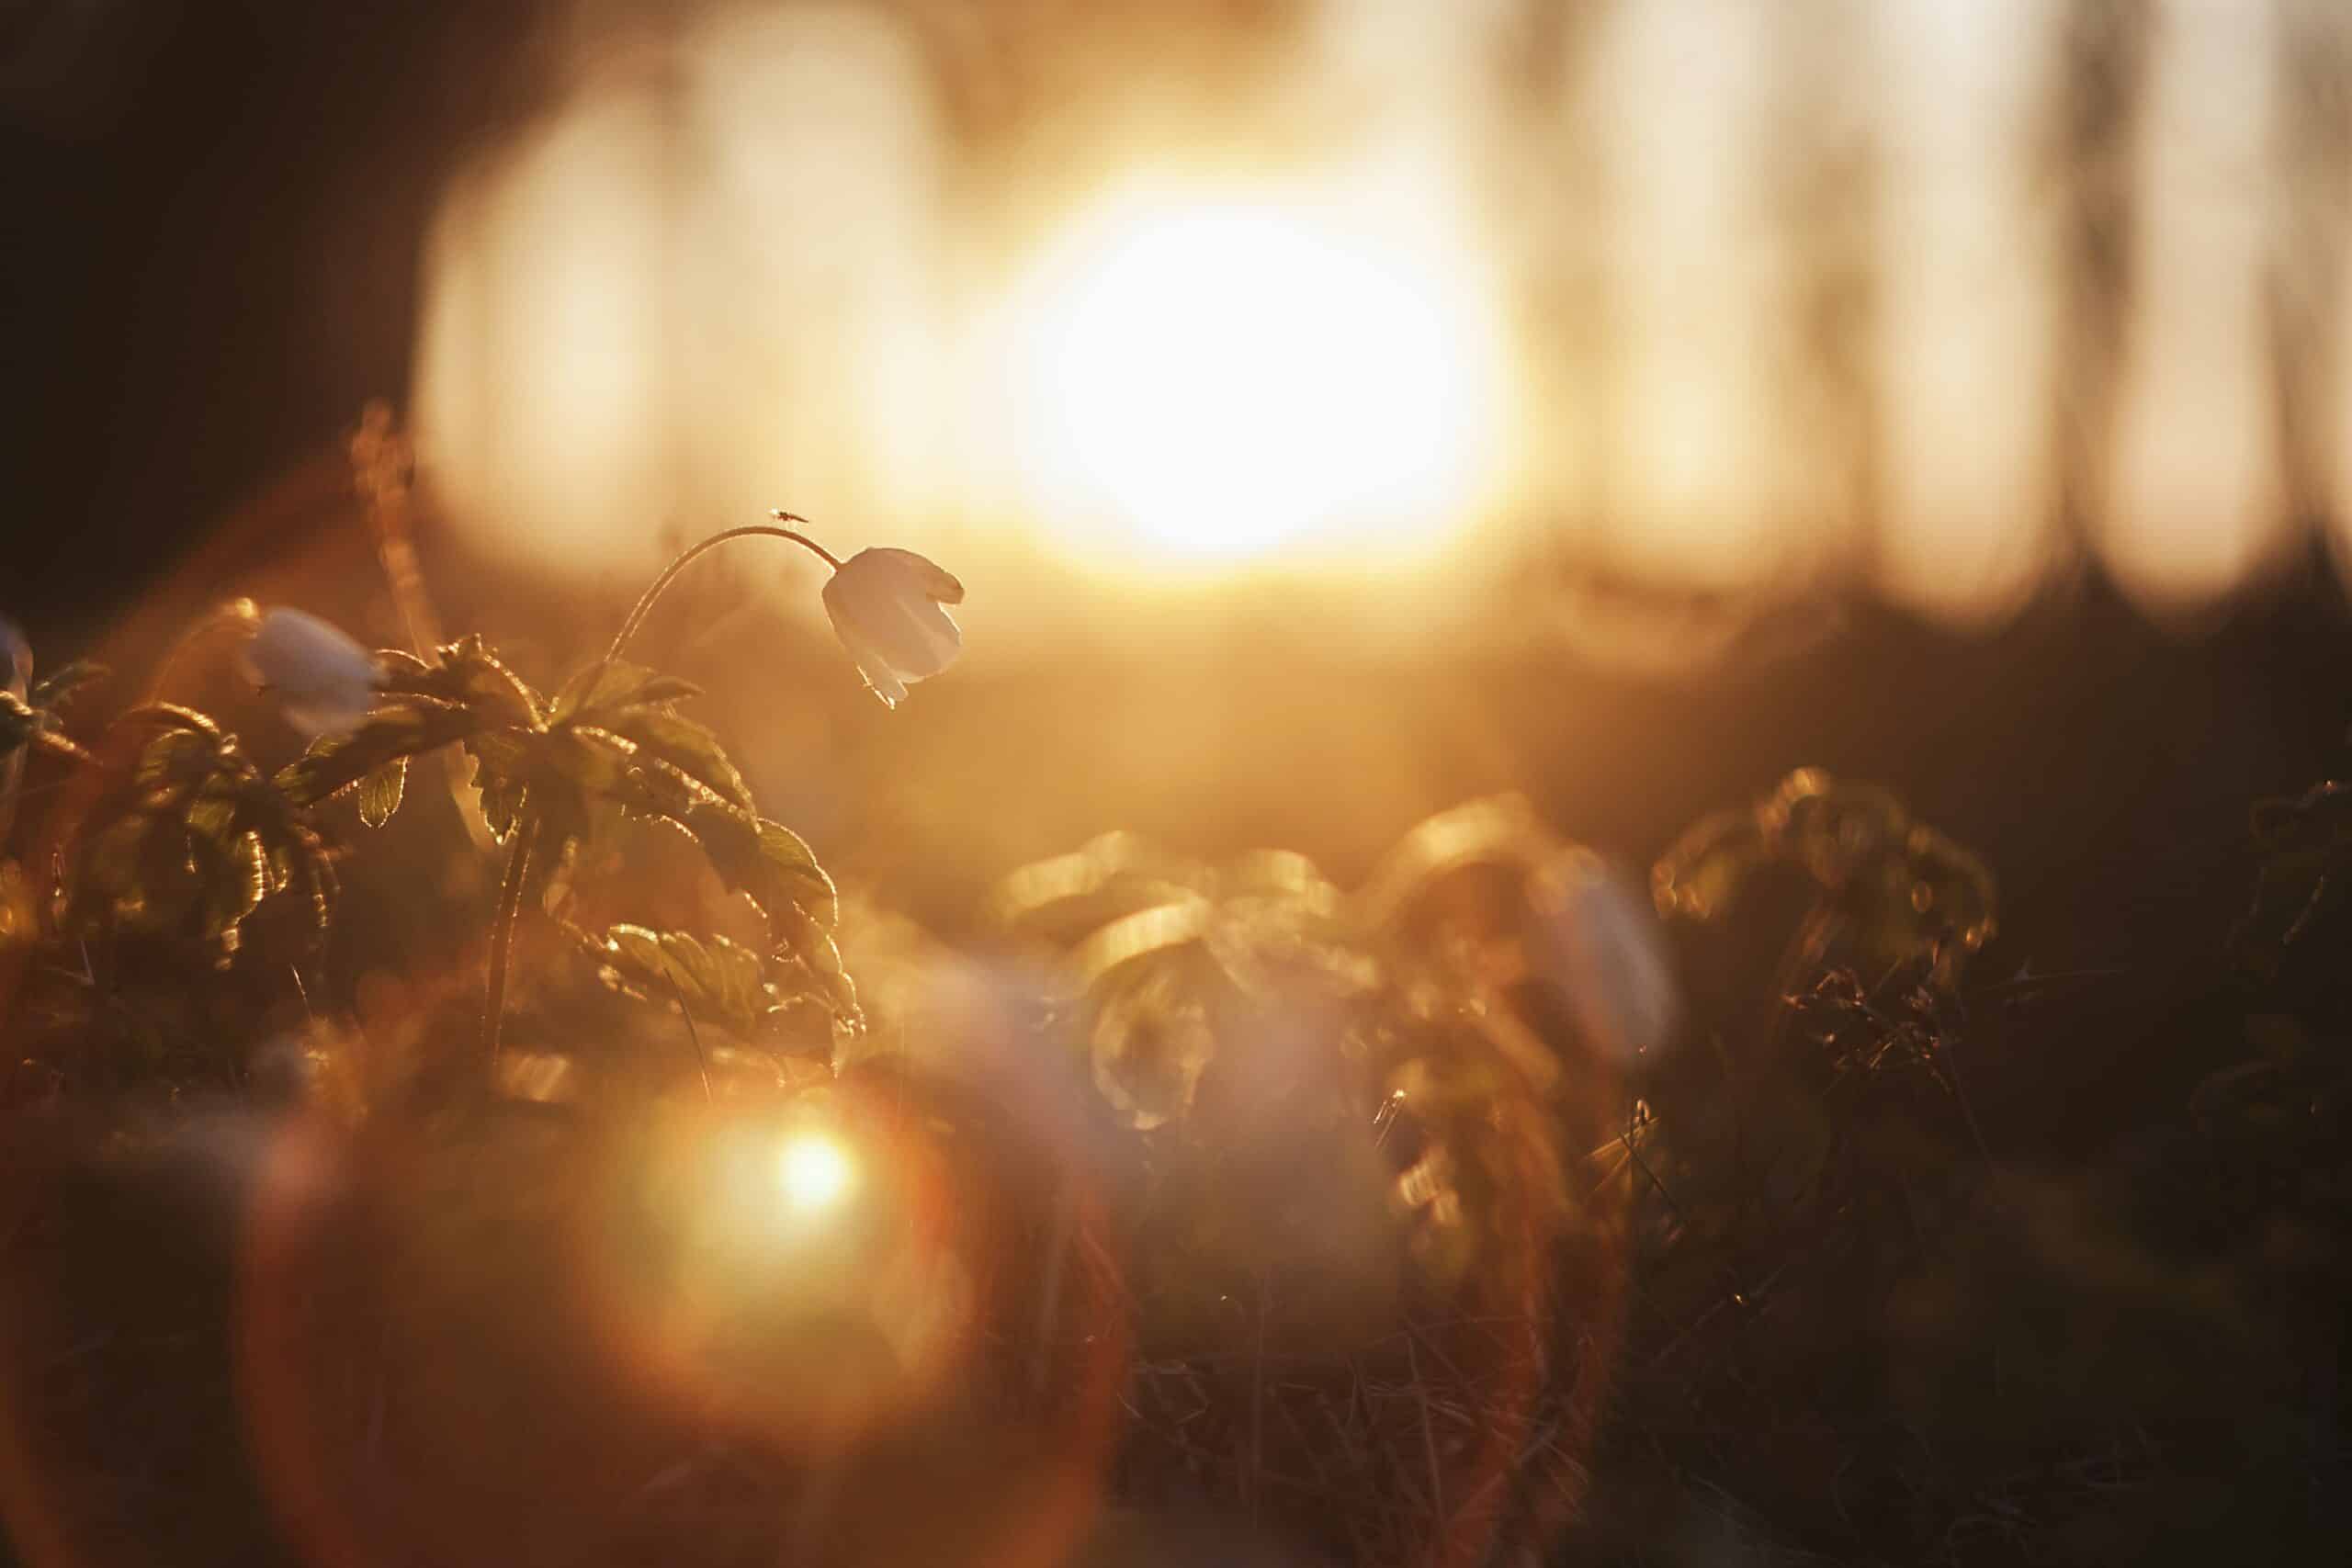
(816, 1173)
(1216, 382)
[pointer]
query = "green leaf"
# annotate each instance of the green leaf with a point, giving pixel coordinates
(793, 864)
(562, 827)
(172, 715)
(18, 722)
(1063, 898)
(60, 686)
(667, 689)
(1143, 936)
(379, 792)
(281, 866)
(1906, 889)
(485, 682)
(212, 815)
(471, 676)
(1150, 1044)
(250, 874)
(1835, 829)
(1706, 868)
(635, 946)
(110, 856)
(228, 883)
(689, 747)
(820, 958)
(718, 981)
(770, 864)
(593, 762)
(335, 763)
(502, 801)
(594, 685)
(1501, 829)
(175, 757)
(614, 685)
(741, 982)
(316, 875)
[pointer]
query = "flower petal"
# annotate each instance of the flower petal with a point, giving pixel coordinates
(922, 573)
(885, 606)
(880, 679)
(918, 639)
(324, 681)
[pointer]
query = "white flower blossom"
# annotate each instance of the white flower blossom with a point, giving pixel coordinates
(887, 607)
(323, 681)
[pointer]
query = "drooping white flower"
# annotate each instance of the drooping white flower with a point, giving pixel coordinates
(323, 681)
(887, 607)
(1598, 939)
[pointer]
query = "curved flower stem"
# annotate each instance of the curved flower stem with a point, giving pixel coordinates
(669, 573)
(240, 613)
(501, 932)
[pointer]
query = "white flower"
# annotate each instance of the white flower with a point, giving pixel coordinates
(323, 681)
(1597, 938)
(885, 607)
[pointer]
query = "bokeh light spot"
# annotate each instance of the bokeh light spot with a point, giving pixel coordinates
(816, 1172)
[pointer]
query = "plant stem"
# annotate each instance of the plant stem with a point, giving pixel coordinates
(502, 931)
(669, 573)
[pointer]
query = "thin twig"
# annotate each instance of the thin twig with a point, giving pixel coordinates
(501, 934)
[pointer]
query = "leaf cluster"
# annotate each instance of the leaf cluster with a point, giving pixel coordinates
(1899, 888)
(717, 981)
(2302, 850)
(610, 744)
(1166, 959)
(190, 838)
(35, 719)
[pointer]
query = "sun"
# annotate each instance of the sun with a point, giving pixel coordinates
(1221, 381)
(815, 1173)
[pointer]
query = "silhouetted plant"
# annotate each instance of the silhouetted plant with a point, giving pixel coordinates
(188, 837)
(1892, 888)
